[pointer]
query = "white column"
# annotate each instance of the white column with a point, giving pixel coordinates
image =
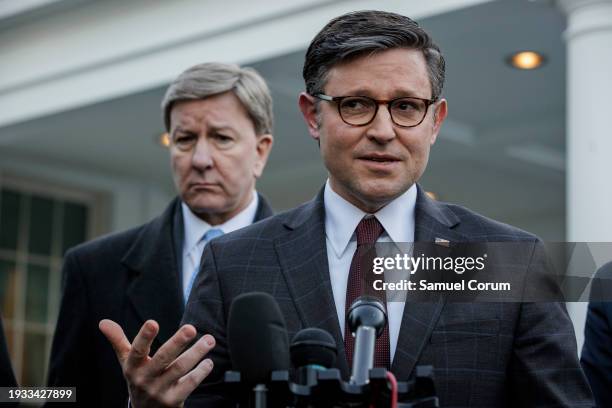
(589, 128)
(589, 113)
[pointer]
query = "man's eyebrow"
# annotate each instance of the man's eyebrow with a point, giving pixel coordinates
(357, 92)
(180, 129)
(222, 128)
(406, 92)
(213, 128)
(368, 92)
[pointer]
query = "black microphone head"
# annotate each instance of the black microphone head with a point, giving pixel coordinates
(367, 311)
(257, 337)
(313, 346)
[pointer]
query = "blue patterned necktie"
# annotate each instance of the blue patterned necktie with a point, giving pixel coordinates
(210, 234)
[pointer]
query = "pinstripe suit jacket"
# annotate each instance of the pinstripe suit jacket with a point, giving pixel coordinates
(484, 354)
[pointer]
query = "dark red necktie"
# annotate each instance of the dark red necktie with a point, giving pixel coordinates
(360, 282)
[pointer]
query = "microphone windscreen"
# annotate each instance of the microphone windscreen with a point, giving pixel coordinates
(257, 337)
(313, 346)
(367, 311)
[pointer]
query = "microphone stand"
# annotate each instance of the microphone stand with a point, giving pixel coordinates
(260, 393)
(363, 362)
(329, 390)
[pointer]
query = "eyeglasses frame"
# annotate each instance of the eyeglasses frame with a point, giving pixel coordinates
(338, 101)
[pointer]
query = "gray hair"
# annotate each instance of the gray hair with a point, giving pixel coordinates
(359, 33)
(212, 78)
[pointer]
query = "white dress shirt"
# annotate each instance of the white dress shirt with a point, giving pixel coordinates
(341, 220)
(195, 228)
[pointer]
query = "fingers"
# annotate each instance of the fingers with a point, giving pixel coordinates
(114, 334)
(168, 375)
(189, 382)
(186, 361)
(176, 394)
(142, 344)
(171, 349)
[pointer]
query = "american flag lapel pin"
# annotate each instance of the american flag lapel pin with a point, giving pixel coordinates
(442, 242)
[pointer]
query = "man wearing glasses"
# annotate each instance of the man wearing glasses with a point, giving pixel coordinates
(374, 104)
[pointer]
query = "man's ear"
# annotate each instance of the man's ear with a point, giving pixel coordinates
(263, 147)
(308, 108)
(441, 110)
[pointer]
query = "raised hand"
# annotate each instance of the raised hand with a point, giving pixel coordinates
(167, 378)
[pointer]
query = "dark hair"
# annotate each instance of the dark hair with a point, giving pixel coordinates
(358, 33)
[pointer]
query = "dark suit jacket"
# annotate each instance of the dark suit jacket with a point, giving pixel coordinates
(596, 356)
(484, 354)
(128, 277)
(7, 379)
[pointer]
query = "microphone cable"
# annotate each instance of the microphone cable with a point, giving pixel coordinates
(393, 381)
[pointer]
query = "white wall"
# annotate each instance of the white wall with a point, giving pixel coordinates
(130, 202)
(137, 45)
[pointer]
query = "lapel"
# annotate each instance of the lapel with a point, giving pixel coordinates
(263, 209)
(432, 220)
(153, 261)
(302, 254)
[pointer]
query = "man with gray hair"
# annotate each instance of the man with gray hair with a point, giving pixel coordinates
(219, 121)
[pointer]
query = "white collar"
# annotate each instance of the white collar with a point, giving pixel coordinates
(342, 218)
(195, 227)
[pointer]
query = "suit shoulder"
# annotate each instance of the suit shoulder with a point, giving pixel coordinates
(112, 243)
(477, 226)
(266, 229)
(605, 272)
(115, 242)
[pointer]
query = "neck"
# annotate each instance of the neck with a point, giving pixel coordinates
(368, 206)
(219, 218)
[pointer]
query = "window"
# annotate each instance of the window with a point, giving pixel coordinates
(37, 227)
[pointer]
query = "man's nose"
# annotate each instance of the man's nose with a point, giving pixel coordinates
(202, 158)
(381, 129)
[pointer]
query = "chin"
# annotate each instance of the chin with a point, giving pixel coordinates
(206, 206)
(377, 191)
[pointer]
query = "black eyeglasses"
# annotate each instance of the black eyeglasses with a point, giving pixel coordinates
(406, 111)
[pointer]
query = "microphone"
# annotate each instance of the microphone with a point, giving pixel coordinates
(312, 350)
(366, 319)
(258, 341)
